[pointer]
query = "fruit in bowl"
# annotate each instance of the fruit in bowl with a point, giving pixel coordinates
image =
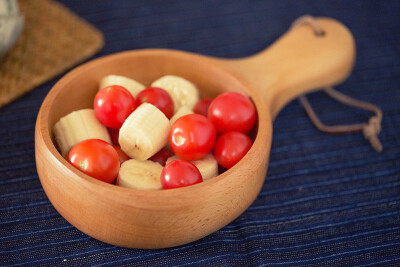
(141, 128)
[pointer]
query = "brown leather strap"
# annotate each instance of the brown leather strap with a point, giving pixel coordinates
(370, 129)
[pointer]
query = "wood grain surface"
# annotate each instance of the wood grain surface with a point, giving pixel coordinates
(296, 63)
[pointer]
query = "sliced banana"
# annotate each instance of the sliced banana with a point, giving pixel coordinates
(183, 92)
(131, 85)
(208, 165)
(78, 126)
(182, 111)
(140, 174)
(144, 132)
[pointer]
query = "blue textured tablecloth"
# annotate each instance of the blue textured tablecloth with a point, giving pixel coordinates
(327, 199)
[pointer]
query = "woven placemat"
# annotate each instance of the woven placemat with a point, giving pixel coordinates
(53, 40)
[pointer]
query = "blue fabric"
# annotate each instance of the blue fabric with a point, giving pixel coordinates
(327, 200)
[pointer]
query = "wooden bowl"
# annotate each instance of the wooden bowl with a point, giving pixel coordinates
(298, 62)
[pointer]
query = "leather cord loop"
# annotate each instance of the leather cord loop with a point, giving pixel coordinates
(370, 130)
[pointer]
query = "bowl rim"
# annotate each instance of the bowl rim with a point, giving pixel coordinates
(147, 198)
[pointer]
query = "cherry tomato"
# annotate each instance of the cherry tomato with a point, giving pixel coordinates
(121, 154)
(157, 97)
(232, 112)
(180, 173)
(202, 105)
(96, 158)
(112, 105)
(192, 137)
(231, 147)
(161, 156)
(114, 135)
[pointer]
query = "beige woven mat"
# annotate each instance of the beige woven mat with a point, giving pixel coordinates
(53, 40)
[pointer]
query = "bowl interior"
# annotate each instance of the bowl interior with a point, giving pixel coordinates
(77, 89)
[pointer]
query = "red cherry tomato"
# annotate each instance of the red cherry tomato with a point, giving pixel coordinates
(121, 154)
(192, 137)
(96, 158)
(232, 112)
(112, 105)
(114, 135)
(161, 156)
(180, 173)
(157, 97)
(202, 105)
(231, 147)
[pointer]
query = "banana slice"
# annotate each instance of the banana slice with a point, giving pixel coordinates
(140, 174)
(182, 111)
(208, 165)
(144, 132)
(183, 92)
(78, 126)
(131, 85)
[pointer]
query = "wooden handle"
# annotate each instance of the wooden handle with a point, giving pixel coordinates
(298, 62)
